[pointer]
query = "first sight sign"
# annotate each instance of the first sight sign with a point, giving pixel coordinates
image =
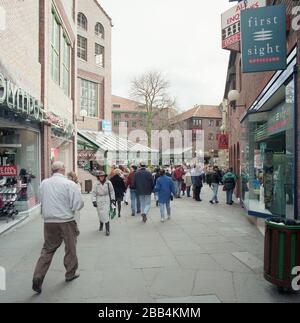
(263, 33)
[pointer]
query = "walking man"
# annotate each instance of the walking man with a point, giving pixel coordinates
(144, 185)
(213, 179)
(60, 199)
(229, 181)
(135, 201)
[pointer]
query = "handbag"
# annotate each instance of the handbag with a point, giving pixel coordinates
(112, 210)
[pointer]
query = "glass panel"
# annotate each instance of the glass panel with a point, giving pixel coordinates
(89, 98)
(268, 158)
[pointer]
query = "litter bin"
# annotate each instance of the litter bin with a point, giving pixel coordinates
(282, 252)
(88, 185)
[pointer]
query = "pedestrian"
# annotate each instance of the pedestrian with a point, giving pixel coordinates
(135, 201)
(119, 188)
(229, 181)
(188, 181)
(213, 179)
(72, 176)
(177, 179)
(156, 176)
(103, 197)
(198, 184)
(60, 199)
(164, 188)
(143, 182)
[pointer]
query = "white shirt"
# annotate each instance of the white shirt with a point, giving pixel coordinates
(60, 198)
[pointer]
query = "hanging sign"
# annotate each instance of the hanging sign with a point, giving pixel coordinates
(263, 39)
(223, 141)
(231, 24)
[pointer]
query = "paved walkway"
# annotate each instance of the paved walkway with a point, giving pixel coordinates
(205, 253)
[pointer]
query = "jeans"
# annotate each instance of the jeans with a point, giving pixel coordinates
(145, 201)
(135, 202)
(162, 207)
(229, 196)
(215, 188)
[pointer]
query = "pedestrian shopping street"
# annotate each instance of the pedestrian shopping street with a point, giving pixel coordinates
(205, 253)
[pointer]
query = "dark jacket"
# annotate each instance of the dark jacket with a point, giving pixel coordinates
(143, 182)
(198, 181)
(229, 181)
(213, 177)
(119, 186)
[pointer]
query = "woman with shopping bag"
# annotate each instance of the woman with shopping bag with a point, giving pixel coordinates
(103, 197)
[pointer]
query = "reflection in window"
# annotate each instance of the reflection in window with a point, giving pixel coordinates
(89, 98)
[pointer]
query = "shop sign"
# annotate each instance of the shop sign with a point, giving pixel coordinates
(19, 100)
(280, 119)
(8, 171)
(86, 155)
(231, 24)
(223, 141)
(263, 39)
(106, 126)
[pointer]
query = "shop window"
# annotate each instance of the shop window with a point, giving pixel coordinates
(211, 123)
(268, 158)
(82, 47)
(99, 55)
(218, 123)
(99, 30)
(89, 97)
(19, 168)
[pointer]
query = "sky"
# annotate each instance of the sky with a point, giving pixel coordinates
(180, 39)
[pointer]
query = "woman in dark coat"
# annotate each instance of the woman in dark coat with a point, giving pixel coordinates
(119, 188)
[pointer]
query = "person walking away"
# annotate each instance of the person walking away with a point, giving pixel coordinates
(72, 176)
(229, 181)
(164, 188)
(60, 199)
(188, 181)
(119, 188)
(198, 184)
(213, 179)
(103, 197)
(156, 175)
(135, 202)
(143, 182)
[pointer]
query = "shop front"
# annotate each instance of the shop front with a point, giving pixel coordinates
(268, 154)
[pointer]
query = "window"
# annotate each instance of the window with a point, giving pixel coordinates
(82, 47)
(211, 136)
(55, 49)
(126, 115)
(99, 30)
(116, 106)
(99, 55)
(82, 21)
(89, 98)
(211, 123)
(116, 123)
(66, 67)
(218, 123)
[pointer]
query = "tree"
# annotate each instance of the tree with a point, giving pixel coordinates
(151, 89)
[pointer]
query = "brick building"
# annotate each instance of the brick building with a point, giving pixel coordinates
(134, 114)
(263, 128)
(37, 86)
(94, 64)
(202, 117)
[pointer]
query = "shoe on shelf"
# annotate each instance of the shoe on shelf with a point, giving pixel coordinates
(72, 278)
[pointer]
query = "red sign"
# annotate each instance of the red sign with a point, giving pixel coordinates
(223, 141)
(8, 171)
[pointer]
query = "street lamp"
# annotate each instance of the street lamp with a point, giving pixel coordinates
(83, 114)
(234, 96)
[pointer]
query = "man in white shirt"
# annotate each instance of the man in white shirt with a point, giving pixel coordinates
(60, 198)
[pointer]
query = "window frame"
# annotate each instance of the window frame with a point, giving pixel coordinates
(100, 34)
(82, 21)
(98, 46)
(86, 87)
(81, 49)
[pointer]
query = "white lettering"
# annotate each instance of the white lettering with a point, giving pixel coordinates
(296, 280)
(296, 20)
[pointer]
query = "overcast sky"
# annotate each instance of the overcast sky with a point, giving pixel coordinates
(182, 39)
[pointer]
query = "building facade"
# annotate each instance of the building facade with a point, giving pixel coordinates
(37, 95)
(207, 119)
(263, 127)
(93, 64)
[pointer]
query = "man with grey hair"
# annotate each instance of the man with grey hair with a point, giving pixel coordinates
(60, 198)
